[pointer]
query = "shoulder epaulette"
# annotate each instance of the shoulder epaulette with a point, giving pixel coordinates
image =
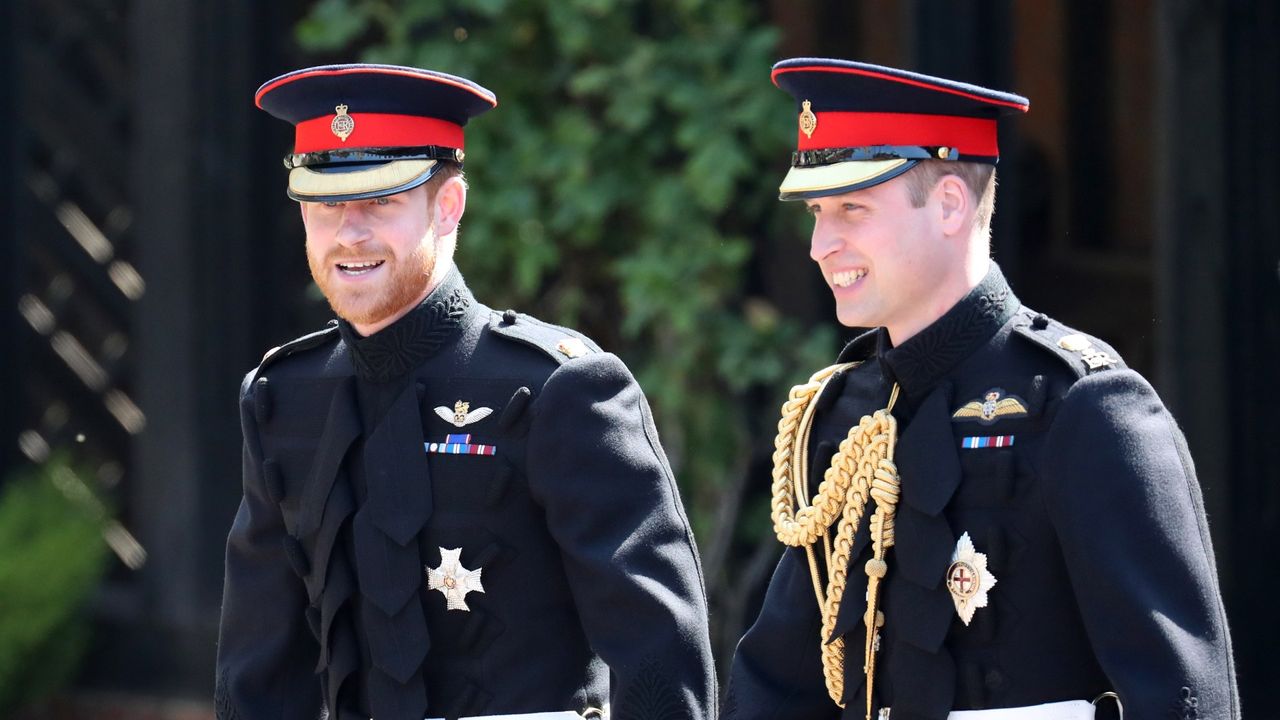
(1083, 354)
(306, 342)
(559, 343)
(859, 348)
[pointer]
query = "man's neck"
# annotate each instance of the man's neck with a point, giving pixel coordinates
(950, 292)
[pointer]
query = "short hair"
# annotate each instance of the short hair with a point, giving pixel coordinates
(447, 170)
(979, 177)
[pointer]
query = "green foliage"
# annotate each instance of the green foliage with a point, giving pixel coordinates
(53, 557)
(620, 187)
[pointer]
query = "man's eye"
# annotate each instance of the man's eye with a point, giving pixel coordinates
(382, 201)
(331, 204)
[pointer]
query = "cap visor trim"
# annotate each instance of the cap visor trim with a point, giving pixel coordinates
(311, 185)
(840, 178)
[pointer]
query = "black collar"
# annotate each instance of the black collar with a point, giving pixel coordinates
(397, 349)
(917, 364)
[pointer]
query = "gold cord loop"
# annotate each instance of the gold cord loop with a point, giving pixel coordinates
(861, 470)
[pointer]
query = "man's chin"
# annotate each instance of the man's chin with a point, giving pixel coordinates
(360, 314)
(376, 315)
(854, 319)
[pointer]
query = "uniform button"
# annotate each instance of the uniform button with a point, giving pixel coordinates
(515, 409)
(509, 317)
(994, 679)
(262, 400)
(1040, 321)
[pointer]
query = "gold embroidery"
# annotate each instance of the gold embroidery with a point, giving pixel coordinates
(991, 407)
(861, 470)
(343, 124)
(808, 121)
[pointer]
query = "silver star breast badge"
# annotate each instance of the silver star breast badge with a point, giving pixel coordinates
(453, 580)
(968, 579)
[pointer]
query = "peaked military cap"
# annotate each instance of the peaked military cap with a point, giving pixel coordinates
(860, 124)
(364, 131)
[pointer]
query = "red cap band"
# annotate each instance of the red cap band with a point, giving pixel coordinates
(377, 130)
(971, 136)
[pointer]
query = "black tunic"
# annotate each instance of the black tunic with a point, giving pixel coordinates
(1092, 524)
(592, 590)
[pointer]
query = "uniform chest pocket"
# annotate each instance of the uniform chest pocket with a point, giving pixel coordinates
(994, 459)
(470, 458)
(989, 476)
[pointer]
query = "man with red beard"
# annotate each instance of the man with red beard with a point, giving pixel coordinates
(448, 511)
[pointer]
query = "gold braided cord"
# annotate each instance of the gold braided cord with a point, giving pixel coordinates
(802, 527)
(800, 480)
(861, 470)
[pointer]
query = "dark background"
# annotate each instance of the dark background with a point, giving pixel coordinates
(153, 256)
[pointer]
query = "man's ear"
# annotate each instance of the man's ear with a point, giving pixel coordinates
(450, 204)
(955, 204)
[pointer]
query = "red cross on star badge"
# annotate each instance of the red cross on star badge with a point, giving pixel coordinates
(968, 579)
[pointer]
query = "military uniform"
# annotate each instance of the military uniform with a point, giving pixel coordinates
(467, 513)
(1085, 504)
(1049, 544)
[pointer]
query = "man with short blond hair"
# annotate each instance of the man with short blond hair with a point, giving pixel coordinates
(987, 515)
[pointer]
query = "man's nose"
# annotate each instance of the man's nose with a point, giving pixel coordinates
(824, 242)
(352, 227)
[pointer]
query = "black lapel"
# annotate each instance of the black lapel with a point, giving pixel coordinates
(341, 428)
(395, 466)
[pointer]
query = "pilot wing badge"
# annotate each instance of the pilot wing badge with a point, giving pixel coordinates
(462, 415)
(994, 405)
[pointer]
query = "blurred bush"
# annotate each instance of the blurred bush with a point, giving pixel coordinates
(52, 556)
(620, 187)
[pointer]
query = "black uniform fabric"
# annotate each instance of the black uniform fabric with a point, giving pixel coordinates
(592, 591)
(1092, 524)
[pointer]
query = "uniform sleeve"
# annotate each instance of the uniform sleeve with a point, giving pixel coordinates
(1123, 497)
(613, 508)
(777, 668)
(266, 655)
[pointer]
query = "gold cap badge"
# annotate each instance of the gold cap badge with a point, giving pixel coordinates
(808, 121)
(343, 124)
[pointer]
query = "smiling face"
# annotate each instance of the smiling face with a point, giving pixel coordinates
(376, 259)
(889, 263)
